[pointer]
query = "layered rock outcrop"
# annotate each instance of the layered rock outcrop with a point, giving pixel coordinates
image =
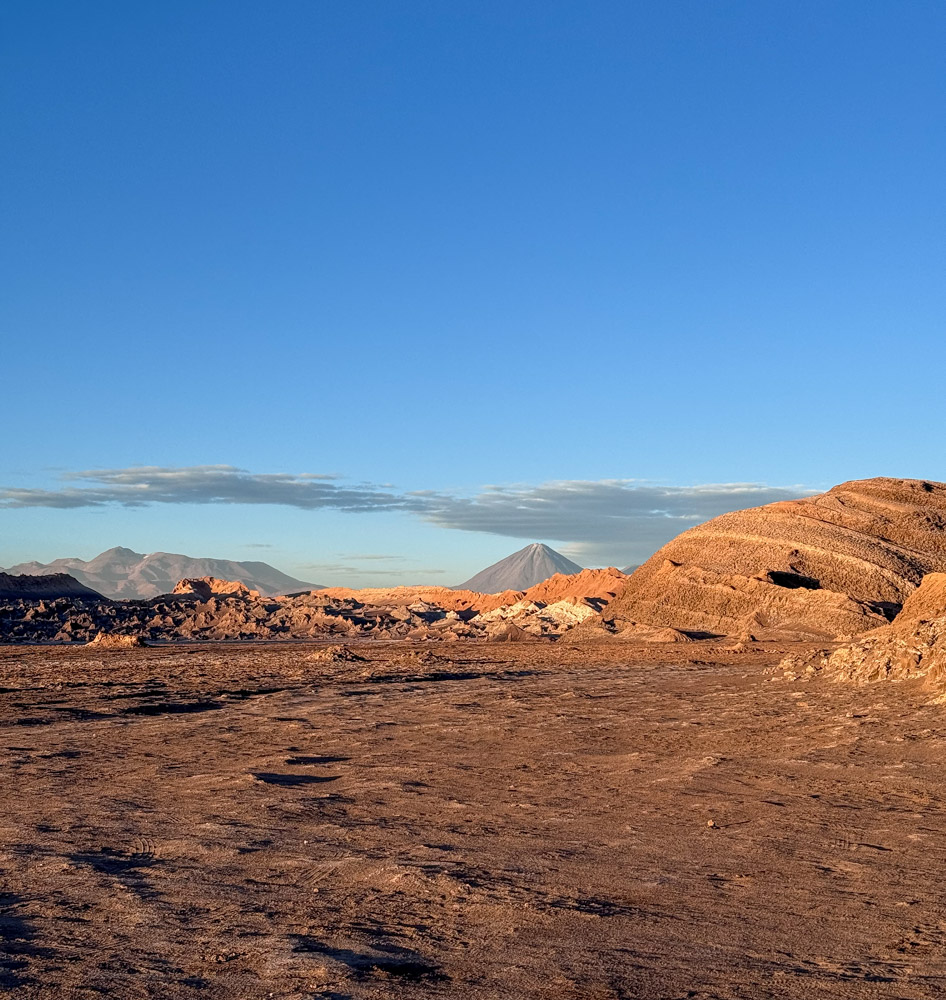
(912, 646)
(836, 564)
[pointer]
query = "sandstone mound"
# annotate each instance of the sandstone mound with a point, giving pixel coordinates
(653, 633)
(206, 587)
(105, 641)
(840, 563)
(912, 646)
(335, 654)
(30, 587)
(509, 632)
(426, 657)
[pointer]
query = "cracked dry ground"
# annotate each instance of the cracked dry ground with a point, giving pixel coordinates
(529, 822)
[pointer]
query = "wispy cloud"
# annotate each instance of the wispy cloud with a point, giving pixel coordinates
(202, 484)
(603, 511)
(624, 517)
(371, 557)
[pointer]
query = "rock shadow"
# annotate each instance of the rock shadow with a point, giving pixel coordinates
(398, 964)
(126, 867)
(303, 761)
(17, 939)
(290, 780)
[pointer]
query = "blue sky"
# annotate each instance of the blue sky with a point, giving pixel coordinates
(509, 251)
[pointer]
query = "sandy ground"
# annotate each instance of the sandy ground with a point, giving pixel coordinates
(525, 822)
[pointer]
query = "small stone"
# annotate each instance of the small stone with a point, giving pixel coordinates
(711, 823)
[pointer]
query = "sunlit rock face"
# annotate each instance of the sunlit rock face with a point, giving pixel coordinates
(836, 564)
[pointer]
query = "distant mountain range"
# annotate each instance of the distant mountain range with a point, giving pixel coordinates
(122, 573)
(521, 570)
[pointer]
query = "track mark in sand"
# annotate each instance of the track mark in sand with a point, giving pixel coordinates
(288, 780)
(848, 841)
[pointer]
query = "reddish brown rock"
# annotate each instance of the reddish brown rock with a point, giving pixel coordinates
(911, 647)
(840, 563)
(206, 587)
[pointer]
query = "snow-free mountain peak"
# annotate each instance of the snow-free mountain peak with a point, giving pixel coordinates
(521, 570)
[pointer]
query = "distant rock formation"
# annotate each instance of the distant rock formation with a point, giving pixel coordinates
(35, 587)
(521, 570)
(839, 563)
(597, 585)
(206, 587)
(126, 575)
(912, 646)
(105, 641)
(213, 609)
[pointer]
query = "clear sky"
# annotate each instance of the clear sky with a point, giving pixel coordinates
(508, 271)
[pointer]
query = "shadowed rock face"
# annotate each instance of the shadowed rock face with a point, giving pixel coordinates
(839, 563)
(33, 588)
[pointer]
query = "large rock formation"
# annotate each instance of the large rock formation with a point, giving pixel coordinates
(839, 563)
(205, 587)
(34, 588)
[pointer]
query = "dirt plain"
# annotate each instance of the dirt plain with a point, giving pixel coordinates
(525, 820)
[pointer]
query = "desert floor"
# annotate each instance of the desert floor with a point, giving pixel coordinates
(525, 821)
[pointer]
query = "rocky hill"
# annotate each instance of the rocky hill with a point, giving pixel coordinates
(521, 570)
(124, 574)
(839, 563)
(34, 588)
